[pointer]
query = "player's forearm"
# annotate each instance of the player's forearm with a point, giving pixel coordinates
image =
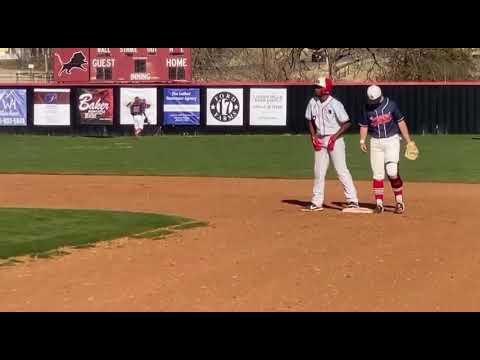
(311, 127)
(363, 134)
(404, 131)
(343, 129)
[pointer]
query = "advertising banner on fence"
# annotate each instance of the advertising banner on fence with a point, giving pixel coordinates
(128, 99)
(268, 107)
(13, 107)
(181, 107)
(51, 107)
(95, 106)
(225, 107)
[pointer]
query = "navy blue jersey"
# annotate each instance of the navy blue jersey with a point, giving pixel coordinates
(382, 119)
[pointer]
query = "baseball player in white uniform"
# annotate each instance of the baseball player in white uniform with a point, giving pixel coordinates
(327, 122)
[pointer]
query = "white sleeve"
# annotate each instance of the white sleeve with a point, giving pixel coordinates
(342, 115)
(308, 113)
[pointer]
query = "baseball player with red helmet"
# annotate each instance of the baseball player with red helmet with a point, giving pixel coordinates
(327, 122)
(384, 122)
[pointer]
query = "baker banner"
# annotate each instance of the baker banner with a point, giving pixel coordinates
(225, 107)
(181, 106)
(13, 107)
(95, 106)
(268, 107)
(51, 107)
(145, 95)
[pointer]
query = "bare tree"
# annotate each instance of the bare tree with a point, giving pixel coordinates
(38, 56)
(402, 63)
(340, 61)
(282, 63)
(211, 63)
(429, 64)
(268, 64)
(277, 64)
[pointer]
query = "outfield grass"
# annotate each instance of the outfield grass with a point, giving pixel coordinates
(443, 158)
(36, 231)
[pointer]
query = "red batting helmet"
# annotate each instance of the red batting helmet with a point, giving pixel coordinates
(326, 84)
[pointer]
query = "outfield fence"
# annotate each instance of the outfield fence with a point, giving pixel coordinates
(223, 107)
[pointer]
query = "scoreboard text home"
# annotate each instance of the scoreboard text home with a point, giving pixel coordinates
(84, 65)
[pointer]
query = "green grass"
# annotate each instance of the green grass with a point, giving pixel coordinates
(443, 158)
(43, 231)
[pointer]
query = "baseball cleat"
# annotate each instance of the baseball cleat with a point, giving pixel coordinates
(312, 207)
(399, 208)
(353, 205)
(379, 209)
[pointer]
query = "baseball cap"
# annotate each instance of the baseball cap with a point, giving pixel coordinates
(374, 93)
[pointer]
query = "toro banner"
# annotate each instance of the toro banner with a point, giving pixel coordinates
(268, 107)
(51, 107)
(95, 106)
(181, 107)
(13, 107)
(128, 95)
(225, 107)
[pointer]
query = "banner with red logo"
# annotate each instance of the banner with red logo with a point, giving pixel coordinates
(95, 106)
(51, 107)
(71, 64)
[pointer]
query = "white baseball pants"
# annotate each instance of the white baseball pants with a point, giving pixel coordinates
(138, 122)
(322, 161)
(384, 151)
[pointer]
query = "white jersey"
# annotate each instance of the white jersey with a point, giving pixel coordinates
(328, 116)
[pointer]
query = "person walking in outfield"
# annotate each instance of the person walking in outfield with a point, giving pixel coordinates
(327, 122)
(384, 122)
(137, 110)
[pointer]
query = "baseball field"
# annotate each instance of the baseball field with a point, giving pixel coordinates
(212, 223)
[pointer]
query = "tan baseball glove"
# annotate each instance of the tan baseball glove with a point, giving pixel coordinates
(411, 151)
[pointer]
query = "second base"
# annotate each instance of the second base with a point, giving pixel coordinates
(360, 210)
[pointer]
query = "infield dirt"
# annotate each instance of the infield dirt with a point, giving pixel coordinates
(259, 252)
